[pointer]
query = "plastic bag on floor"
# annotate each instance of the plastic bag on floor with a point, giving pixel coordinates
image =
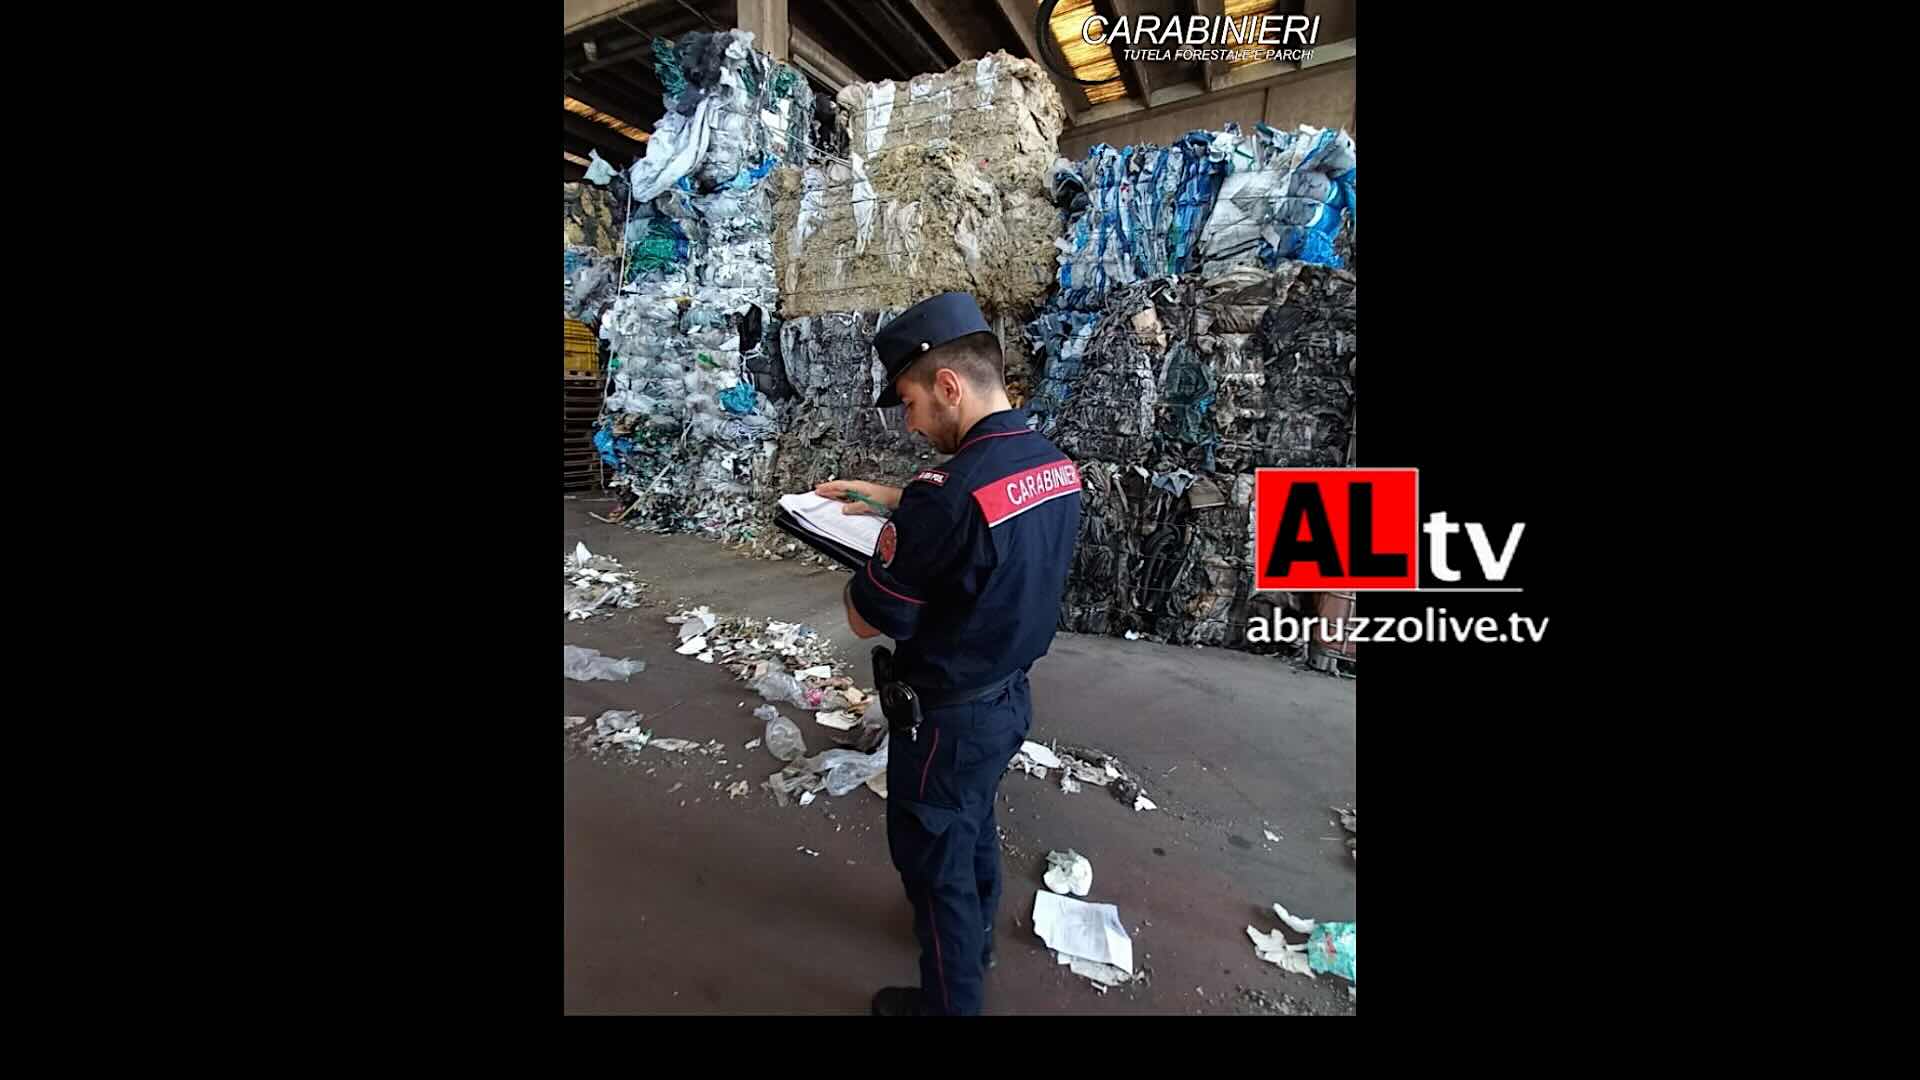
(588, 664)
(777, 685)
(848, 769)
(783, 737)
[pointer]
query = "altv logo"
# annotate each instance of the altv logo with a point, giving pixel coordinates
(1360, 529)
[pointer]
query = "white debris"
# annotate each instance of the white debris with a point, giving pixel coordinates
(692, 646)
(1299, 925)
(581, 555)
(1069, 871)
(1069, 785)
(1270, 835)
(808, 850)
(573, 721)
(878, 785)
(705, 657)
(838, 719)
(822, 671)
(751, 744)
(1141, 802)
(1079, 929)
(676, 787)
(1131, 636)
(1103, 976)
(1040, 755)
(807, 797)
(738, 789)
(680, 746)
(1273, 948)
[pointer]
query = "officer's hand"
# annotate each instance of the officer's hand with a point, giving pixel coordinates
(838, 489)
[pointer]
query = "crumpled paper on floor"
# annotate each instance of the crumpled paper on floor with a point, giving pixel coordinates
(1079, 929)
(1069, 871)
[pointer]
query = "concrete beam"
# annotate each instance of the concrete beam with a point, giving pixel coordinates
(767, 19)
(1213, 72)
(819, 63)
(942, 28)
(579, 14)
(1097, 120)
(1021, 15)
(860, 31)
(900, 28)
(1136, 70)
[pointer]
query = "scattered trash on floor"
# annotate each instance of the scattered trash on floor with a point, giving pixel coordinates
(1040, 755)
(1350, 821)
(619, 727)
(838, 719)
(678, 784)
(1331, 947)
(691, 646)
(596, 585)
(818, 671)
(1079, 930)
(1069, 871)
(1079, 766)
(572, 721)
(751, 743)
(808, 850)
(1103, 976)
(878, 785)
(678, 746)
(1132, 636)
(834, 771)
(1270, 836)
(807, 797)
(736, 790)
(585, 665)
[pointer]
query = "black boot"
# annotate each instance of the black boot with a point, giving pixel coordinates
(898, 1001)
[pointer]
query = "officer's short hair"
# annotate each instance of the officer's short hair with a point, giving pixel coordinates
(976, 357)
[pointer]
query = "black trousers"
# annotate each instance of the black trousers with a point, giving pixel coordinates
(944, 840)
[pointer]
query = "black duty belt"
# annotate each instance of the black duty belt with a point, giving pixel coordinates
(902, 703)
(935, 699)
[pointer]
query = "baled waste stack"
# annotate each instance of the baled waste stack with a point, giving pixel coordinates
(1200, 330)
(686, 432)
(944, 188)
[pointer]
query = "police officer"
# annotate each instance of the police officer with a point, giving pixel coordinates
(966, 578)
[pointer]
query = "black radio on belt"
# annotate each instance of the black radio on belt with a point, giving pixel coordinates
(898, 703)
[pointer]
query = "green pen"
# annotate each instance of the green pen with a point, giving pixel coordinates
(849, 495)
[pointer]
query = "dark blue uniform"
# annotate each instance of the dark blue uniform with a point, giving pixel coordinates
(967, 580)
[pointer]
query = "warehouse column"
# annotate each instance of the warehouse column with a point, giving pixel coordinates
(768, 21)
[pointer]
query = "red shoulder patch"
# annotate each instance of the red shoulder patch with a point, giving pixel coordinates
(1015, 494)
(885, 545)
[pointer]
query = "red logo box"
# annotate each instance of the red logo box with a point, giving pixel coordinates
(1321, 508)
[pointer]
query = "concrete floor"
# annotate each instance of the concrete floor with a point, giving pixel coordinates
(690, 902)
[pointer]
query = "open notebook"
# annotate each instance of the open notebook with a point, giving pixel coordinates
(848, 538)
